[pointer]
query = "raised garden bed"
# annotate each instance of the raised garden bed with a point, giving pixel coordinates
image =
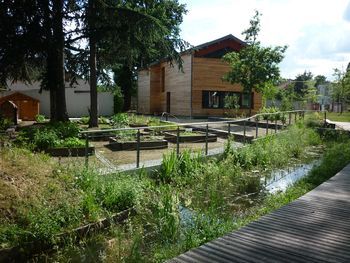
(138, 125)
(116, 145)
(100, 136)
(191, 137)
(67, 152)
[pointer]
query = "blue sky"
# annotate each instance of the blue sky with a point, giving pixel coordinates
(317, 32)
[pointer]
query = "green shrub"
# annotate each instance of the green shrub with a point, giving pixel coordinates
(103, 120)
(118, 100)
(5, 124)
(120, 120)
(72, 142)
(40, 118)
(313, 120)
(84, 120)
(64, 129)
(45, 139)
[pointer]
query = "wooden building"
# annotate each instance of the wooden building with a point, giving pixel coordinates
(197, 89)
(8, 110)
(27, 107)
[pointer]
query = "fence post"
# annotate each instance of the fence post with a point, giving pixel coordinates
(244, 131)
(303, 115)
(275, 124)
(256, 128)
(206, 140)
(86, 150)
(325, 118)
(295, 118)
(290, 118)
(267, 126)
(229, 129)
(178, 141)
(138, 149)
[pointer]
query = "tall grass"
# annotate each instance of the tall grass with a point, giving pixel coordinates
(49, 199)
(218, 194)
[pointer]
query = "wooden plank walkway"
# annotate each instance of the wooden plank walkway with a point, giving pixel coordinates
(313, 228)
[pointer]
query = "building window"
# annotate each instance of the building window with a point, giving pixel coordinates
(211, 99)
(216, 99)
(162, 79)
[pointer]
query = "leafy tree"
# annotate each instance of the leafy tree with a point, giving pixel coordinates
(341, 87)
(33, 41)
(231, 102)
(301, 83)
(319, 80)
(254, 65)
(131, 33)
(269, 92)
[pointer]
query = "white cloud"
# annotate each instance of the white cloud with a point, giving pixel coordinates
(316, 32)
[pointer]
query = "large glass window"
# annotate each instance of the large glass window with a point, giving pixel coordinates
(216, 99)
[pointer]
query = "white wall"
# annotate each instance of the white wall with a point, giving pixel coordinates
(77, 103)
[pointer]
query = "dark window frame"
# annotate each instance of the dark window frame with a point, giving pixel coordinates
(222, 94)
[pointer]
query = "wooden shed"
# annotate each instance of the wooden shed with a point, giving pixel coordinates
(27, 106)
(8, 110)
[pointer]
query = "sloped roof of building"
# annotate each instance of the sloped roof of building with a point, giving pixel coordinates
(17, 96)
(229, 37)
(213, 49)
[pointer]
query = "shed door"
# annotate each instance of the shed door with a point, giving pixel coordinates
(27, 110)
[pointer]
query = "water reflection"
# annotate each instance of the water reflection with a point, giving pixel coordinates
(280, 180)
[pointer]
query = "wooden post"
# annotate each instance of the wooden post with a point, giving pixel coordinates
(178, 141)
(138, 149)
(206, 140)
(256, 128)
(325, 118)
(275, 125)
(244, 131)
(295, 118)
(86, 150)
(267, 126)
(229, 129)
(290, 118)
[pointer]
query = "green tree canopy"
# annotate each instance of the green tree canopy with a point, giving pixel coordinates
(301, 83)
(341, 87)
(254, 65)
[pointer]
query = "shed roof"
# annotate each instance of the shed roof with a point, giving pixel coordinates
(17, 96)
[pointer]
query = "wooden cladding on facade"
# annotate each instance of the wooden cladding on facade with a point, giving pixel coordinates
(208, 75)
(166, 88)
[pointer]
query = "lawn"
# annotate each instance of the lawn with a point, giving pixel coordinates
(335, 116)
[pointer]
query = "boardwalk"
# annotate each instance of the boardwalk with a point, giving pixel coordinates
(314, 228)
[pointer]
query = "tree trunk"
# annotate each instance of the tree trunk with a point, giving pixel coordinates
(92, 64)
(125, 83)
(50, 77)
(59, 95)
(250, 104)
